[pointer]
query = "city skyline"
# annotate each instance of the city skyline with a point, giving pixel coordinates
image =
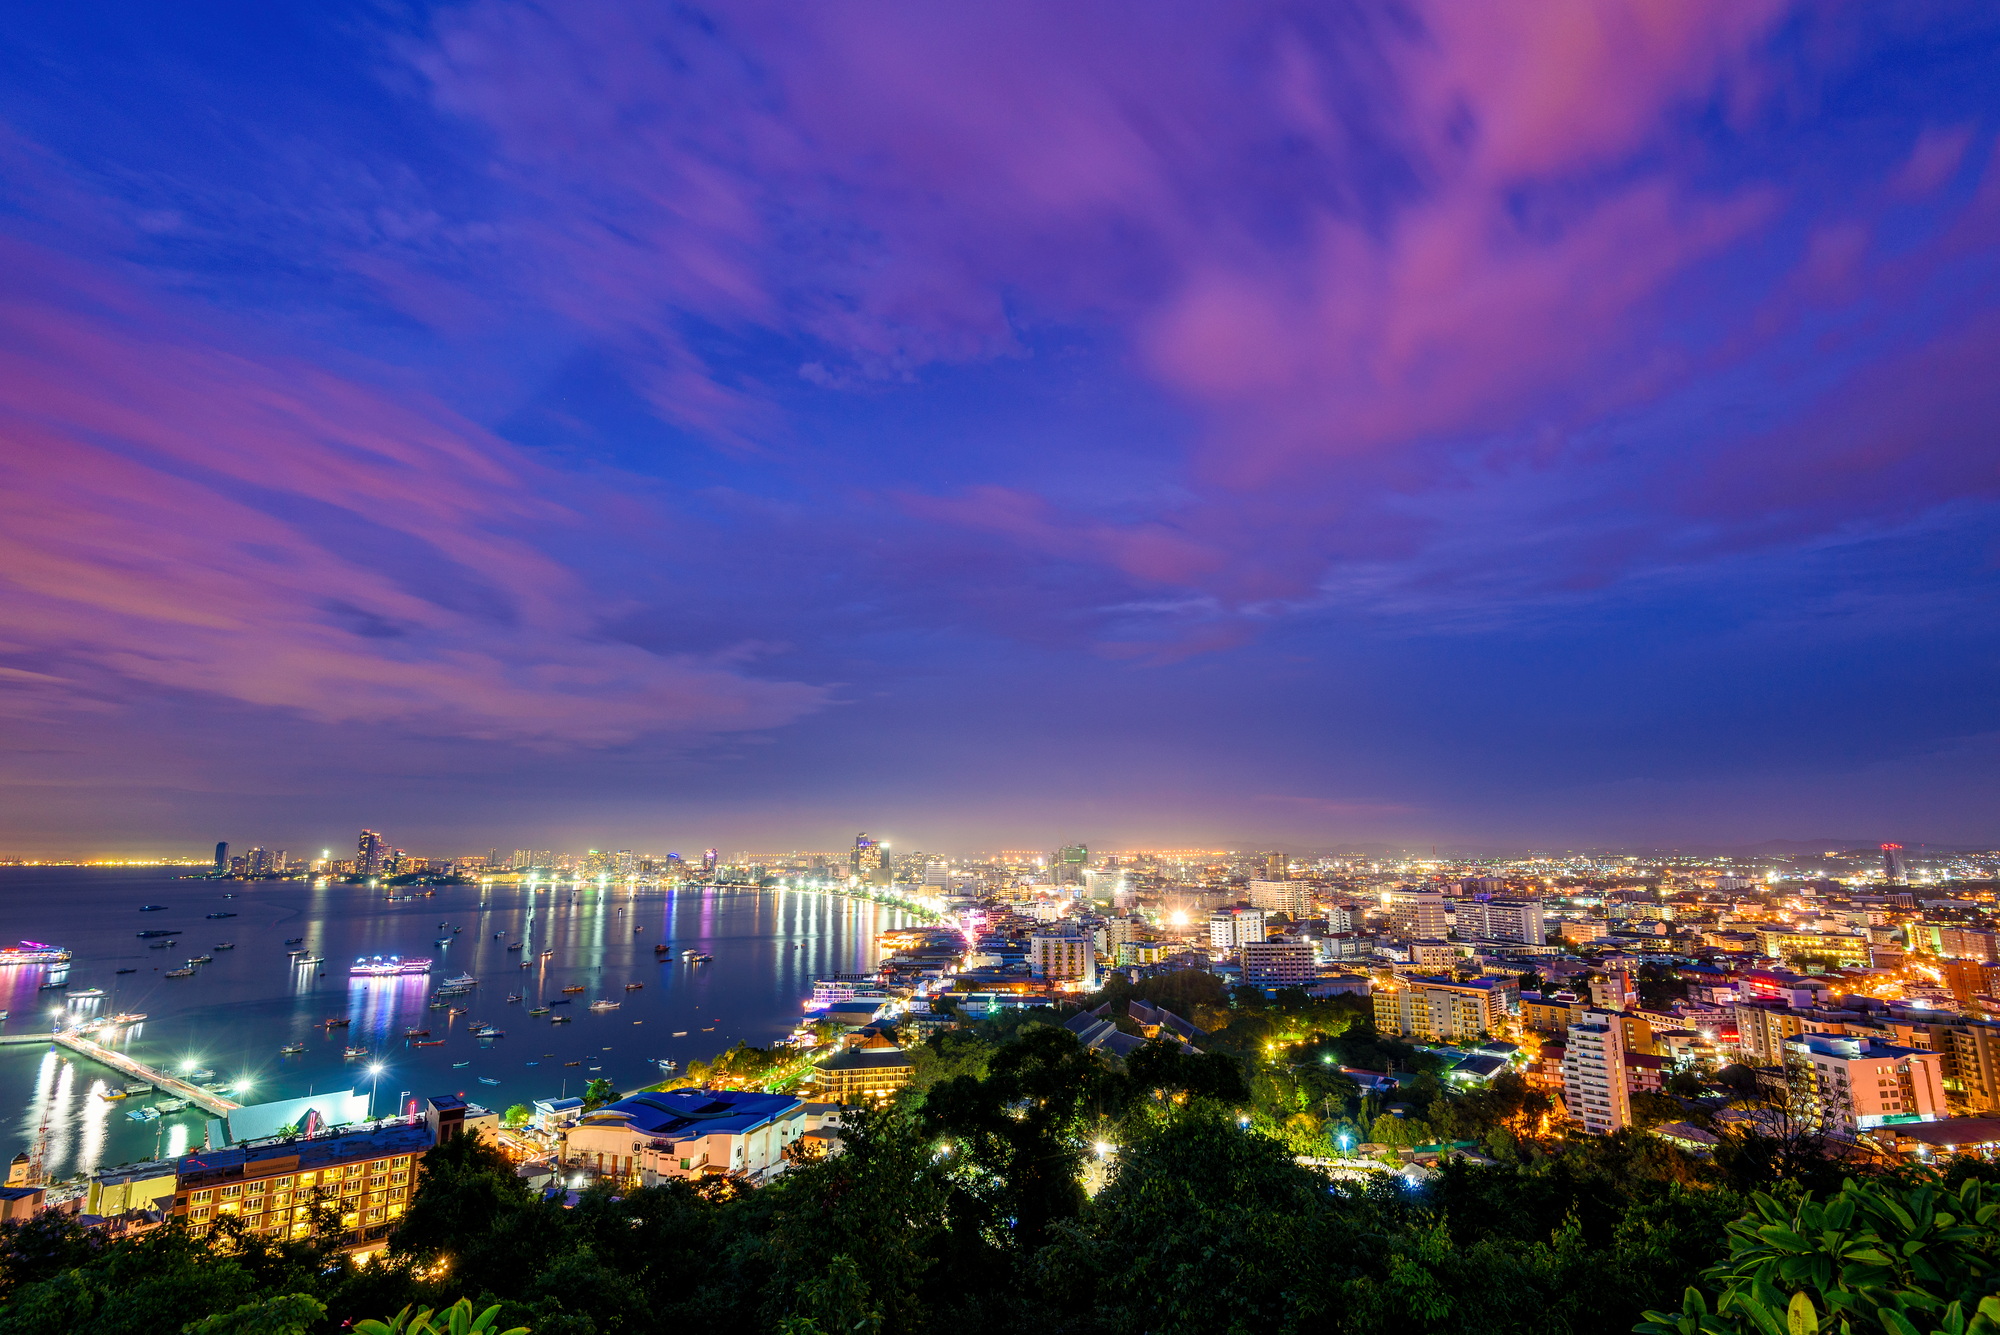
(1254, 428)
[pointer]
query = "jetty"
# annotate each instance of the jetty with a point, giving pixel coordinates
(213, 1104)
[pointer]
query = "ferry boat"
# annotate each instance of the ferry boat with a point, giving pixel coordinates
(389, 966)
(87, 994)
(184, 972)
(291, 1049)
(602, 1005)
(463, 980)
(34, 952)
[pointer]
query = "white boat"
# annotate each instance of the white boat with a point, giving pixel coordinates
(601, 1005)
(389, 966)
(87, 994)
(33, 952)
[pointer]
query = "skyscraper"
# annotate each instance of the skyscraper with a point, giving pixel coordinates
(1593, 1070)
(222, 857)
(368, 853)
(708, 858)
(1069, 864)
(869, 861)
(1892, 864)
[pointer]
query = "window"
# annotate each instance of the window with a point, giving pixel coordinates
(354, 1170)
(203, 1197)
(281, 1184)
(231, 1193)
(200, 1212)
(256, 1188)
(379, 1180)
(399, 1178)
(400, 1161)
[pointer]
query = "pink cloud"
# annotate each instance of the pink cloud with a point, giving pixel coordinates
(151, 463)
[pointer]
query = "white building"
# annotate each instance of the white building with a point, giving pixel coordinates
(1064, 958)
(1593, 1071)
(686, 1133)
(1229, 929)
(1417, 915)
(1288, 897)
(1844, 1086)
(1502, 920)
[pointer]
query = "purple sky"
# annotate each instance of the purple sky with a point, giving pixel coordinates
(990, 425)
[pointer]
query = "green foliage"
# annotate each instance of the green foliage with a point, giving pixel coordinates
(598, 1093)
(292, 1314)
(1874, 1258)
(517, 1115)
(454, 1320)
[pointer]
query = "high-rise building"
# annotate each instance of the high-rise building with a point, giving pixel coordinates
(1277, 963)
(1417, 915)
(1892, 864)
(1229, 929)
(369, 854)
(1442, 1010)
(1069, 863)
(222, 857)
(1593, 1071)
(869, 860)
(1066, 958)
(937, 875)
(1502, 920)
(1339, 919)
(1277, 867)
(1288, 897)
(523, 859)
(708, 856)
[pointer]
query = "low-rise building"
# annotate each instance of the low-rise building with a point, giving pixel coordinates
(872, 1073)
(686, 1133)
(357, 1184)
(1843, 1085)
(1278, 963)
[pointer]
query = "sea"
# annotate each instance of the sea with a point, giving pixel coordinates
(235, 1014)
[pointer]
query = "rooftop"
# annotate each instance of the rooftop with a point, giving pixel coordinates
(693, 1112)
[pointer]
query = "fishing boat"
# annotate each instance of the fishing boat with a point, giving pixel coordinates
(572, 991)
(559, 1019)
(336, 1022)
(179, 973)
(295, 940)
(388, 966)
(430, 1043)
(538, 1010)
(602, 1005)
(144, 1114)
(34, 952)
(352, 1053)
(291, 1049)
(633, 987)
(416, 1033)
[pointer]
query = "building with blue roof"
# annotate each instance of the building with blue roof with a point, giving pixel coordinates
(687, 1133)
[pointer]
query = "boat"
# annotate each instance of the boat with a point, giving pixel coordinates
(309, 960)
(111, 1095)
(219, 915)
(202, 959)
(127, 971)
(489, 1032)
(662, 948)
(456, 1065)
(336, 1022)
(137, 1087)
(179, 973)
(534, 1063)
(455, 1011)
(152, 908)
(123, 1017)
(35, 952)
(295, 940)
(633, 987)
(291, 1049)
(159, 945)
(144, 1114)
(689, 953)
(161, 931)
(429, 1043)
(538, 1010)
(559, 1019)
(572, 991)
(668, 1064)
(680, 1033)
(513, 997)
(514, 947)
(171, 1105)
(562, 1001)
(225, 945)
(463, 980)
(572, 1063)
(442, 941)
(488, 1080)
(702, 959)
(602, 1005)
(389, 966)
(546, 955)
(352, 1053)
(87, 994)
(203, 1074)
(708, 1029)
(416, 1033)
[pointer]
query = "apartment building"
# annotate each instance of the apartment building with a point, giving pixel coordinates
(1594, 1082)
(1069, 958)
(1278, 963)
(1517, 920)
(1843, 1085)
(1441, 1010)
(1289, 897)
(1416, 915)
(353, 1187)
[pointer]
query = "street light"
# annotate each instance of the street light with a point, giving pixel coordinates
(374, 1078)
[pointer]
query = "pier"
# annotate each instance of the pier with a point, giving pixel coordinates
(214, 1104)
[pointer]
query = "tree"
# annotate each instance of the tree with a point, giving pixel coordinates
(454, 1320)
(291, 1314)
(517, 1115)
(598, 1093)
(1875, 1257)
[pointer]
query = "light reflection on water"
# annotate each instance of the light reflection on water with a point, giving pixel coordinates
(238, 1011)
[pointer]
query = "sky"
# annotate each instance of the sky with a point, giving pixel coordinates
(611, 424)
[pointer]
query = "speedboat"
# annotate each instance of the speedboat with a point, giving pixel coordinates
(668, 1064)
